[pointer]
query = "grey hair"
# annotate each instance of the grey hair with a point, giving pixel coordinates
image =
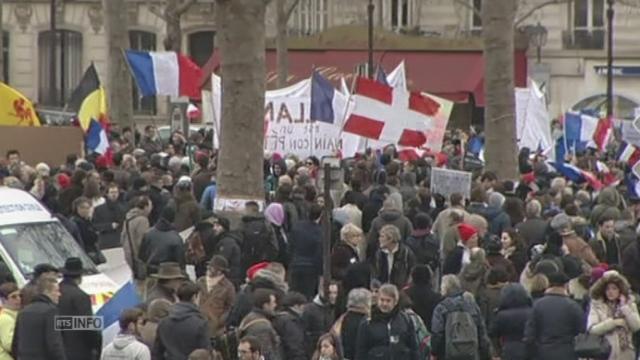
(496, 199)
(450, 285)
(390, 290)
(392, 232)
(534, 209)
(359, 298)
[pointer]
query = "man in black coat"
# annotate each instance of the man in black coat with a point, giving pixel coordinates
(290, 327)
(227, 245)
(162, 243)
(35, 335)
(306, 253)
(423, 298)
(109, 217)
(81, 344)
(184, 330)
(319, 315)
(534, 227)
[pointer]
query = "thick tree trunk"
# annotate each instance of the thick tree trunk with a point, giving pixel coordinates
(119, 89)
(500, 127)
(241, 40)
(2, 60)
(281, 43)
(173, 40)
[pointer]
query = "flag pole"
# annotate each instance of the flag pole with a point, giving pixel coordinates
(346, 106)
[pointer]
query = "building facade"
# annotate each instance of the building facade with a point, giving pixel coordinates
(569, 64)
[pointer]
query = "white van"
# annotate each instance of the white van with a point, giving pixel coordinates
(30, 235)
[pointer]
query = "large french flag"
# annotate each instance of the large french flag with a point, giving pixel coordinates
(583, 128)
(577, 175)
(164, 73)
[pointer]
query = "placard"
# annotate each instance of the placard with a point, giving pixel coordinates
(446, 182)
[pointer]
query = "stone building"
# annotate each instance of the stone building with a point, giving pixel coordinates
(570, 62)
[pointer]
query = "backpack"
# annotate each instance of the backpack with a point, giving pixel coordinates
(426, 250)
(461, 335)
(258, 242)
(423, 336)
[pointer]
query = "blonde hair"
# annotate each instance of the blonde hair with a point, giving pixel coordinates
(349, 231)
(392, 232)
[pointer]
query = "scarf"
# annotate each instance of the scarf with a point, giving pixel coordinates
(624, 340)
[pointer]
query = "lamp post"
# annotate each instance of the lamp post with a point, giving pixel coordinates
(52, 54)
(538, 38)
(610, 58)
(370, 9)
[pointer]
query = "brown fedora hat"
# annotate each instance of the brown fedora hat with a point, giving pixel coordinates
(168, 271)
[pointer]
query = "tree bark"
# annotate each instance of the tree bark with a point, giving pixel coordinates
(500, 127)
(241, 40)
(119, 89)
(2, 60)
(173, 39)
(281, 43)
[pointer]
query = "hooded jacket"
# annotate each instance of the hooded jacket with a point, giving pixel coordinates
(318, 316)
(387, 217)
(387, 336)
(496, 217)
(609, 203)
(187, 211)
(184, 330)
(161, 244)
(126, 347)
(506, 330)
(134, 227)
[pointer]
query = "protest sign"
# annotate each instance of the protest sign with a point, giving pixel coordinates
(446, 182)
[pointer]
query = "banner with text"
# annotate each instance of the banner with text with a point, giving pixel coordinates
(446, 182)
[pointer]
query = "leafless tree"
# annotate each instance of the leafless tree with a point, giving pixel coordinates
(284, 9)
(172, 15)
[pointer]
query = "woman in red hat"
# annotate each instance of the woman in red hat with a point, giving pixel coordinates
(462, 252)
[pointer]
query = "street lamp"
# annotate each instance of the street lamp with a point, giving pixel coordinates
(538, 38)
(610, 58)
(370, 9)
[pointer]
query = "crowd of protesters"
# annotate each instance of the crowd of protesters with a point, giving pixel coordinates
(519, 270)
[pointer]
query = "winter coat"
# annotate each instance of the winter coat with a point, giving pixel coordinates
(342, 256)
(135, 225)
(466, 302)
(349, 326)
(387, 217)
(453, 261)
(201, 180)
(150, 145)
(318, 316)
(290, 327)
(388, 336)
(67, 196)
(424, 300)
(80, 345)
(306, 246)
(160, 291)
(599, 246)
(403, 263)
(215, 302)
(443, 221)
(472, 278)
(488, 301)
(7, 326)
(601, 319)
(627, 233)
(553, 324)
(507, 327)
(609, 203)
(161, 244)
(184, 330)
(88, 234)
(227, 245)
(266, 249)
(497, 260)
(187, 211)
(208, 196)
(258, 324)
(126, 346)
(533, 231)
(518, 258)
(104, 216)
(497, 219)
(631, 265)
(426, 247)
(244, 300)
(35, 337)
(580, 249)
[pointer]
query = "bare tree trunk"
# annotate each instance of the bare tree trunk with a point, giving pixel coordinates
(281, 43)
(119, 89)
(173, 40)
(500, 127)
(241, 34)
(2, 60)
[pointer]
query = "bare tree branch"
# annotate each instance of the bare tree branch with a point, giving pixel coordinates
(468, 5)
(630, 3)
(538, 7)
(182, 8)
(155, 11)
(291, 8)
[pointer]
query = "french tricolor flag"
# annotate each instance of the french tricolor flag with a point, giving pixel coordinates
(577, 175)
(164, 73)
(628, 153)
(580, 128)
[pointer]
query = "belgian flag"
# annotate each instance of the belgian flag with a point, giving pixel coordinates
(88, 100)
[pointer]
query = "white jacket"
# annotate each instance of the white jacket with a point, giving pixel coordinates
(126, 346)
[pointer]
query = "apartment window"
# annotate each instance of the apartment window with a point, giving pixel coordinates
(5, 56)
(588, 24)
(309, 17)
(145, 41)
(68, 65)
(476, 19)
(201, 46)
(401, 13)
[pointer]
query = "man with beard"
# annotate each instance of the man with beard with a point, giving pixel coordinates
(606, 244)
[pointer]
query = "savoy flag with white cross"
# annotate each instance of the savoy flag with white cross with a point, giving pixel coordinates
(381, 112)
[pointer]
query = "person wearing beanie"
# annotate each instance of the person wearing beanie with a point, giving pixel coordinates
(162, 243)
(423, 298)
(187, 209)
(461, 255)
(556, 319)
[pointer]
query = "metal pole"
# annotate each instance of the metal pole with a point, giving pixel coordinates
(539, 53)
(610, 58)
(52, 54)
(370, 9)
(326, 232)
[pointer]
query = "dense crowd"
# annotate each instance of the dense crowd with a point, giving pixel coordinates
(537, 267)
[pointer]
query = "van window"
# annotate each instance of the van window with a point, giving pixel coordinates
(37, 243)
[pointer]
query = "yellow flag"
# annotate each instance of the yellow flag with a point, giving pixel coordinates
(94, 106)
(15, 108)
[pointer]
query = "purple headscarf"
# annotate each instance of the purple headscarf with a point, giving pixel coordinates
(274, 213)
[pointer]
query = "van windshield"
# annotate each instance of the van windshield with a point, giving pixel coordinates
(37, 243)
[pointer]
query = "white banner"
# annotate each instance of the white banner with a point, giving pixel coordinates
(533, 123)
(446, 182)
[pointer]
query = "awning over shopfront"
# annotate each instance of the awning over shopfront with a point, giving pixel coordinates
(454, 75)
